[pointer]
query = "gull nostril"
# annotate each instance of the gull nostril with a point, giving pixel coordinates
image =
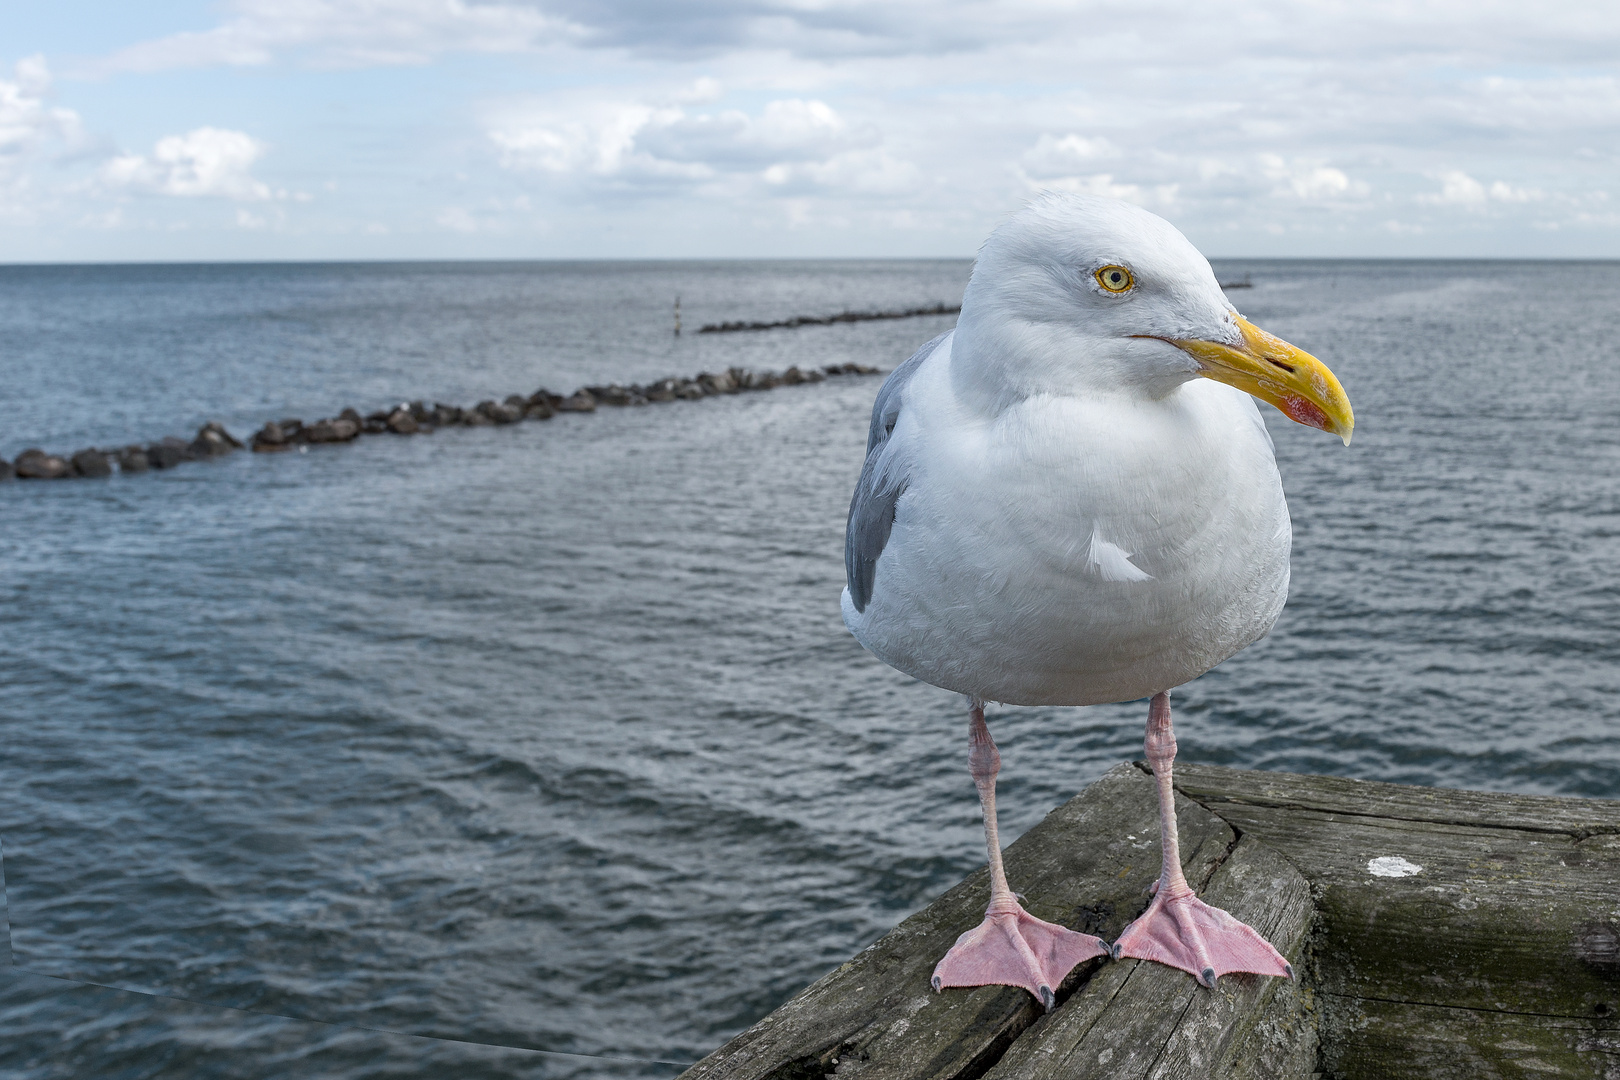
(1278, 363)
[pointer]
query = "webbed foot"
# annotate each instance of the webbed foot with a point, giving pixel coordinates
(1014, 948)
(1184, 932)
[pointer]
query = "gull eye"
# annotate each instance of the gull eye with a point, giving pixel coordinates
(1115, 279)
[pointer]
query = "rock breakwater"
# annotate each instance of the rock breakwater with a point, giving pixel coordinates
(405, 418)
(828, 320)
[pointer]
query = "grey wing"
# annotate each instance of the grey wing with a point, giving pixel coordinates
(871, 510)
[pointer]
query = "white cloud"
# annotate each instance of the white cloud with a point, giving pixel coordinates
(1068, 163)
(1452, 32)
(348, 33)
(1310, 181)
(206, 162)
(33, 135)
(592, 137)
(26, 121)
(788, 144)
(1458, 189)
(1104, 184)
(1503, 192)
(910, 125)
(1053, 156)
(867, 172)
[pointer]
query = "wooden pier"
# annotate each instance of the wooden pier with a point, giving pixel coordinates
(1437, 934)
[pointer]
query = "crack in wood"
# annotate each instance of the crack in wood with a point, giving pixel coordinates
(1600, 1018)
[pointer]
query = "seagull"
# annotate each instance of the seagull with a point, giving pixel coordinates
(1072, 499)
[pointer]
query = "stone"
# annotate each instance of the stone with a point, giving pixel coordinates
(544, 396)
(539, 410)
(579, 401)
(476, 417)
(420, 412)
(270, 439)
(208, 444)
(687, 390)
(168, 453)
(38, 465)
(792, 377)
(213, 441)
(132, 459)
(518, 402)
(354, 418)
(814, 375)
(92, 462)
(662, 390)
(611, 395)
(328, 431)
(219, 429)
(717, 384)
(401, 422)
(770, 380)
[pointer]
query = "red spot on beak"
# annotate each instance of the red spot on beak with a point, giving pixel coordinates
(1304, 412)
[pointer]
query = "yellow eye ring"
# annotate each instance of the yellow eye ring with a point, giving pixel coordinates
(1115, 279)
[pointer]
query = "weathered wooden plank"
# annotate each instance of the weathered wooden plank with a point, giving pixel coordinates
(1284, 1041)
(1087, 865)
(1493, 951)
(1213, 785)
(1143, 1021)
(1494, 919)
(1397, 1040)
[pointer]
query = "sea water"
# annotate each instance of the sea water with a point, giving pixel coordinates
(550, 737)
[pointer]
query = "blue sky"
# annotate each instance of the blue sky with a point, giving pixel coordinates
(320, 129)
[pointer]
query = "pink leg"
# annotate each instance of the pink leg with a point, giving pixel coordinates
(1011, 947)
(1179, 929)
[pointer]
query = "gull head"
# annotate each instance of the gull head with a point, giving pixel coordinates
(1077, 294)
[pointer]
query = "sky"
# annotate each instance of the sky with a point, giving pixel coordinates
(386, 129)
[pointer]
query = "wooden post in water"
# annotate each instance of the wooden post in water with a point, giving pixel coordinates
(1438, 934)
(677, 316)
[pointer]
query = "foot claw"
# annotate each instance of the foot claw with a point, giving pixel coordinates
(1014, 948)
(1206, 942)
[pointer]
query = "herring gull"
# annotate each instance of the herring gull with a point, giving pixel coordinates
(1070, 499)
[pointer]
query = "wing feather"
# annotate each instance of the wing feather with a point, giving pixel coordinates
(878, 491)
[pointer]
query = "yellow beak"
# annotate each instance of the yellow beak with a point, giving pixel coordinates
(1274, 371)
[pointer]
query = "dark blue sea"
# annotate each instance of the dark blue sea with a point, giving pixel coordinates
(541, 751)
